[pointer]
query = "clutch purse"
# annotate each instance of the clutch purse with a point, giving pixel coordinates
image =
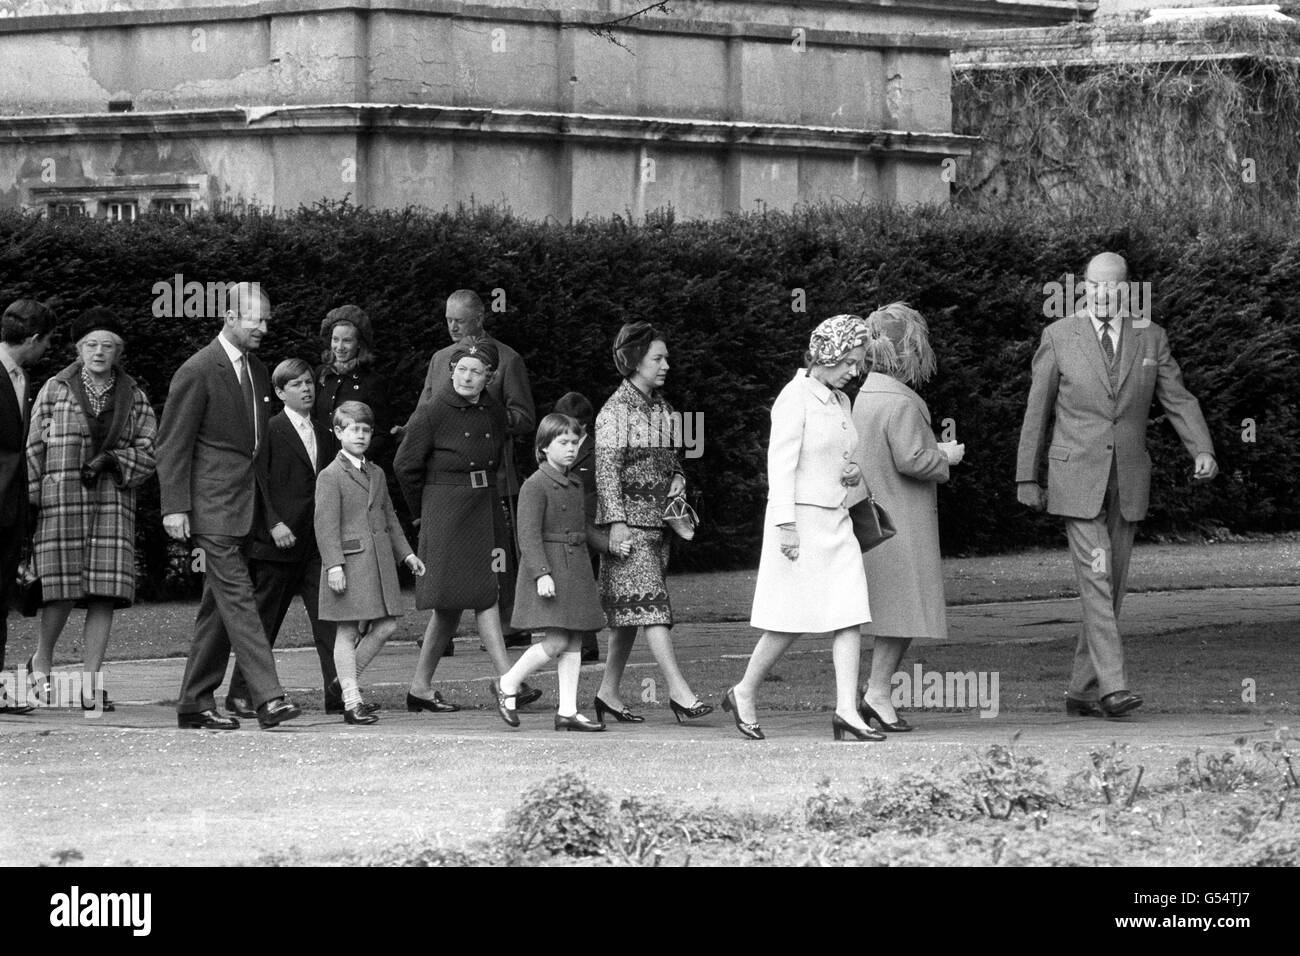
(27, 588)
(681, 517)
(871, 523)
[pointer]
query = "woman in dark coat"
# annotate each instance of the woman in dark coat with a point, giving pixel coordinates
(637, 471)
(347, 375)
(91, 445)
(446, 467)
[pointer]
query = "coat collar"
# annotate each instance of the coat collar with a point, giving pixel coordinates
(823, 393)
(634, 395)
(364, 479)
(123, 392)
(880, 383)
(456, 400)
(555, 476)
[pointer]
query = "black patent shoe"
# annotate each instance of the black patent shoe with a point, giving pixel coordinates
(868, 714)
(697, 709)
(527, 695)
(502, 700)
(275, 712)
(840, 727)
(435, 706)
(579, 723)
(623, 716)
(334, 701)
(206, 720)
(752, 731)
(359, 715)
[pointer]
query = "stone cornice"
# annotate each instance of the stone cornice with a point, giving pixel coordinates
(359, 118)
(203, 11)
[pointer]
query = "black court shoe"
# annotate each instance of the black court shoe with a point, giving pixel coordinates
(840, 727)
(623, 716)
(752, 731)
(577, 722)
(899, 726)
(697, 709)
(437, 705)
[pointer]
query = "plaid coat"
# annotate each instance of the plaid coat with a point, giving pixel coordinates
(85, 537)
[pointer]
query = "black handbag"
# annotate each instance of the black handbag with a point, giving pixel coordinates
(27, 586)
(871, 523)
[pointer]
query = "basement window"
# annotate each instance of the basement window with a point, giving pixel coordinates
(119, 211)
(65, 210)
(172, 207)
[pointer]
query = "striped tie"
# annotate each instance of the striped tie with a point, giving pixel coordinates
(1108, 349)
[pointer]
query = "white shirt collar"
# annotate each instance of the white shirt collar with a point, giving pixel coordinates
(1115, 322)
(232, 352)
(297, 419)
(8, 361)
(357, 463)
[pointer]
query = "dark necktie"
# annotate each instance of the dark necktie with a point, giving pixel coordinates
(1108, 350)
(250, 401)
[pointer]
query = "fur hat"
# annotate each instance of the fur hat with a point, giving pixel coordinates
(98, 319)
(355, 317)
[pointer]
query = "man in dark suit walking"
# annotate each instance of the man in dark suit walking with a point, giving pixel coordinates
(25, 331)
(214, 426)
(284, 560)
(1095, 373)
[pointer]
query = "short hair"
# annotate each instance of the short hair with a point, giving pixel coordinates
(358, 412)
(288, 370)
(25, 318)
(467, 299)
(552, 427)
(576, 405)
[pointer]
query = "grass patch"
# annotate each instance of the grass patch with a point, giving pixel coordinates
(996, 806)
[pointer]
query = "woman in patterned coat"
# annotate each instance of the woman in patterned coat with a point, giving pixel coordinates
(91, 445)
(637, 471)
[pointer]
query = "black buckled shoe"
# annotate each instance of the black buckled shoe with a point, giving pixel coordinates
(436, 706)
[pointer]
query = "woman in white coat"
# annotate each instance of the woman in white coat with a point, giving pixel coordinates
(810, 577)
(903, 465)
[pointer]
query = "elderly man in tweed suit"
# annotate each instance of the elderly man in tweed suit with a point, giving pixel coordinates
(1095, 373)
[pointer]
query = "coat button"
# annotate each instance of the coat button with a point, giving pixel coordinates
(467, 434)
(471, 463)
(844, 424)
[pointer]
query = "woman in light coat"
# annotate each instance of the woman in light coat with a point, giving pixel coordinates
(903, 465)
(810, 577)
(91, 445)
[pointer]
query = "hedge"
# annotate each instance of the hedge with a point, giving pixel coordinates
(727, 293)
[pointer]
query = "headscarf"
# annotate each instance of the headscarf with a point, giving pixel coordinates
(485, 352)
(631, 344)
(899, 344)
(835, 338)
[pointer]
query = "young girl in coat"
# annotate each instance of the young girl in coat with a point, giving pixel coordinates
(360, 543)
(556, 591)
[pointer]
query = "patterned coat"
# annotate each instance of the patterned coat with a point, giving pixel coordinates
(85, 537)
(636, 457)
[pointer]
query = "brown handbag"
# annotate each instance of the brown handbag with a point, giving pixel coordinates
(871, 523)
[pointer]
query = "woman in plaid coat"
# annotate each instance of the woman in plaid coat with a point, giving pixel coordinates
(91, 445)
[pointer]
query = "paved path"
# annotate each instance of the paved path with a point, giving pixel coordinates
(1025, 621)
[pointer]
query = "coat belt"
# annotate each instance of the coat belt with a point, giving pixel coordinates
(475, 479)
(565, 537)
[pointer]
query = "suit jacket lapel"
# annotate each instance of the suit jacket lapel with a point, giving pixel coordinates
(1091, 346)
(283, 421)
(9, 399)
(1131, 348)
(230, 383)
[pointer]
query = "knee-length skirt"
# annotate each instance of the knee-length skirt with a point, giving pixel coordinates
(459, 530)
(632, 589)
(825, 589)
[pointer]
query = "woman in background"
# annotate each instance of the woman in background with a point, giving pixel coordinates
(91, 445)
(903, 465)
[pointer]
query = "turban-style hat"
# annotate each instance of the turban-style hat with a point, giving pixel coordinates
(835, 338)
(631, 344)
(98, 319)
(353, 316)
(899, 343)
(485, 352)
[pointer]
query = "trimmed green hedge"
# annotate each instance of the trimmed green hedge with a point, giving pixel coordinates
(726, 292)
